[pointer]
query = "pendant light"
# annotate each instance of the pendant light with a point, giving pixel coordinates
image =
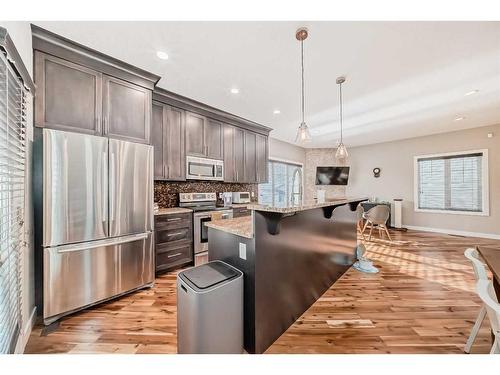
(303, 135)
(341, 153)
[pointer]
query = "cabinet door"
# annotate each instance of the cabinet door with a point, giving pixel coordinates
(157, 140)
(195, 134)
(250, 157)
(68, 95)
(174, 144)
(262, 157)
(239, 154)
(127, 110)
(229, 166)
(213, 139)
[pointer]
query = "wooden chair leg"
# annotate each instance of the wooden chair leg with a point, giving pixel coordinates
(360, 227)
(387, 232)
(475, 329)
(364, 228)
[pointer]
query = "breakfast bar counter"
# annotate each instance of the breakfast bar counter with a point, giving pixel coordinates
(289, 257)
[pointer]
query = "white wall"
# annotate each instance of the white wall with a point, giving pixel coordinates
(395, 159)
(20, 33)
(286, 151)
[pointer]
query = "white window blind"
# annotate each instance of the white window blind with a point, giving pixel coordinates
(12, 165)
(452, 182)
(284, 186)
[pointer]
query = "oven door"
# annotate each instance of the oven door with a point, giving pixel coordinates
(201, 230)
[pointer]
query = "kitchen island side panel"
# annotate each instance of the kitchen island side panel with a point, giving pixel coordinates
(296, 266)
(225, 247)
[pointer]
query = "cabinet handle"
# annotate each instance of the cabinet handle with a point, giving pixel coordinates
(168, 171)
(174, 219)
(174, 234)
(174, 255)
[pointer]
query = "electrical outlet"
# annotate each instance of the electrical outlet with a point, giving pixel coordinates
(243, 251)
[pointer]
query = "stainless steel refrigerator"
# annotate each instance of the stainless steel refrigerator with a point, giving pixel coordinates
(97, 211)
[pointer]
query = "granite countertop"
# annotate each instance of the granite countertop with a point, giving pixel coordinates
(308, 205)
(240, 226)
(173, 210)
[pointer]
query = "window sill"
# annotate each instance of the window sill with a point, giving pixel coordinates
(468, 213)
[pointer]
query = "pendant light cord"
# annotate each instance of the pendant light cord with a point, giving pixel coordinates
(341, 115)
(302, 64)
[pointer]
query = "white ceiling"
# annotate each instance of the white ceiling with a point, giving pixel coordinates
(404, 79)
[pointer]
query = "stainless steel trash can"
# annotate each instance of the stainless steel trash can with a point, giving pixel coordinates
(210, 309)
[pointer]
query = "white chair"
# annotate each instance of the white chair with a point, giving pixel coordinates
(487, 294)
(377, 217)
(480, 274)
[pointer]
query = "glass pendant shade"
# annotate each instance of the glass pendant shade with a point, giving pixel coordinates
(303, 134)
(341, 153)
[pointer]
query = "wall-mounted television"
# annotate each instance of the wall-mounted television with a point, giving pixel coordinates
(332, 175)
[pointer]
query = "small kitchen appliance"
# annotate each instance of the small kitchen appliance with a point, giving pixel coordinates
(241, 197)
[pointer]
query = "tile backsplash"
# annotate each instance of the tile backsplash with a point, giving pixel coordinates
(166, 193)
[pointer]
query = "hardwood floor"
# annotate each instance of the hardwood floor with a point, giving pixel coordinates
(421, 301)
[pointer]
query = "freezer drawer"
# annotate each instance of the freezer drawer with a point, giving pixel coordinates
(75, 187)
(76, 276)
(130, 188)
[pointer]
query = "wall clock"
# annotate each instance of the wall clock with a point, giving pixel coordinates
(376, 172)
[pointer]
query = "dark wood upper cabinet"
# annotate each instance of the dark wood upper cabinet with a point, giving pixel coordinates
(174, 143)
(250, 157)
(68, 95)
(234, 154)
(82, 90)
(157, 140)
(127, 110)
(262, 157)
(213, 139)
(168, 136)
(228, 142)
(239, 154)
(195, 134)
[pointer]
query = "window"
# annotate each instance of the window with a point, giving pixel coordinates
(12, 161)
(284, 187)
(452, 183)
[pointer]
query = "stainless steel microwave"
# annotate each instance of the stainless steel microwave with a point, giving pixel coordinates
(204, 169)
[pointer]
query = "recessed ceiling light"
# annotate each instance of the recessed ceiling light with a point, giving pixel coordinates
(276, 111)
(471, 92)
(162, 55)
(459, 118)
(235, 90)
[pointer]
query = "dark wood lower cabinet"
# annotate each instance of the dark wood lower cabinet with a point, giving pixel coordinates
(173, 241)
(241, 211)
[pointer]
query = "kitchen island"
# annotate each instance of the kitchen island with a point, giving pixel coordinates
(289, 256)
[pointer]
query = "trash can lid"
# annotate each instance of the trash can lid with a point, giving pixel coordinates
(210, 274)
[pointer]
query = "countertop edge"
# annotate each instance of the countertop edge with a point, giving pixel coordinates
(285, 210)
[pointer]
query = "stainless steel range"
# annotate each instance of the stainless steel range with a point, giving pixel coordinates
(204, 210)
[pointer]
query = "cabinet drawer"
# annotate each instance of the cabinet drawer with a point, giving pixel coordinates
(164, 236)
(173, 221)
(175, 256)
(242, 211)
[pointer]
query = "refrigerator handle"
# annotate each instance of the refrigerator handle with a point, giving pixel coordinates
(104, 185)
(95, 244)
(112, 183)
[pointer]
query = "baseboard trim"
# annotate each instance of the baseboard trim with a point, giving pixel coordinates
(455, 232)
(25, 335)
